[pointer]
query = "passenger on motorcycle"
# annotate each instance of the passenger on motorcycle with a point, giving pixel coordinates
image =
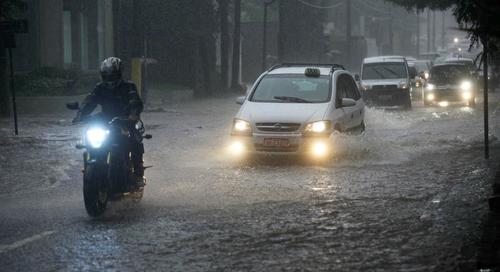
(117, 98)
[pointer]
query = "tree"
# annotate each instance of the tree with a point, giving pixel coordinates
(235, 75)
(224, 42)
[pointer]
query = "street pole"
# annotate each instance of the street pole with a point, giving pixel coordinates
(485, 78)
(13, 91)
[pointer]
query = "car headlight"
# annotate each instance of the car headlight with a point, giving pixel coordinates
(241, 127)
(318, 127)
(466, 86)
(96, 136)
(403, 85)
(430, 87)
(466, 95)
(430, 97)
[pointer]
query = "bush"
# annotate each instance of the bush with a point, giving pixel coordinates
(50, 81)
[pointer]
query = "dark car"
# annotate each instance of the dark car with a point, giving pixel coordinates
(450, 82)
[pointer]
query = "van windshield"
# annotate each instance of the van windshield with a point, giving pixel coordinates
(292, 89)
(384, 70)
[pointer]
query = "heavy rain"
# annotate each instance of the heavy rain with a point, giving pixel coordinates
(249, 135)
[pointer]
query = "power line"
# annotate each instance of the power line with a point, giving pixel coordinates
(320, 7)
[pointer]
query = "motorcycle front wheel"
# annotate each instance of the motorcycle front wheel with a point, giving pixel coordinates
(95, 196)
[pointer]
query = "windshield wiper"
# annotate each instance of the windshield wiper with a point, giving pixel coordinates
(392, 72)
(292, 99)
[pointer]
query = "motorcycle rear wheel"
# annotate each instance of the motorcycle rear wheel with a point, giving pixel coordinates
(95, 196)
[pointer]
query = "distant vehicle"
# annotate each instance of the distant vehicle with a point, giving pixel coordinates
(295, 108)
(460, 60)
(451, 82)
(421, 69)
(386, 81)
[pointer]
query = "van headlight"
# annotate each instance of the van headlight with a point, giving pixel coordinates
(241, 127)
(318, 127)
(403, 85)
(96, 136)
(466, 86)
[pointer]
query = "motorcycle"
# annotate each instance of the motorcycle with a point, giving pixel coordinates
(107, 167)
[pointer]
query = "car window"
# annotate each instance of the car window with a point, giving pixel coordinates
(384, 70)
(341, 89)
(292, 89)
(353, 91)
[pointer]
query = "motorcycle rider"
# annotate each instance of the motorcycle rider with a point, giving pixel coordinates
(117, 98)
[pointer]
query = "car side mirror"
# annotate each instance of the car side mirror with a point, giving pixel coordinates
(356, 77)
(240, 100)
(348, 102)
(73, 106)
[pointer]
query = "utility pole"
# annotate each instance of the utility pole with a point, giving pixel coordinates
(348, 32)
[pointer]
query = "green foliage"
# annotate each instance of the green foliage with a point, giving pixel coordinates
(49, 81)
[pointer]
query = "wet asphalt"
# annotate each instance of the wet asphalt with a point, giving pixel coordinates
(407, 195)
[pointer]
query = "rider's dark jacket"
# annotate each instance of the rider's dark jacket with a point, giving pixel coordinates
(120, 101)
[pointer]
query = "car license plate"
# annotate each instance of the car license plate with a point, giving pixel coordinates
(385, 97)
(276, 142)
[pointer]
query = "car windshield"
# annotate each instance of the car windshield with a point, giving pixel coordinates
(385, 70)
(448, 73)
(292, 89)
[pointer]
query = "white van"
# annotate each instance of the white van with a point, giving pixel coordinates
(386, 81)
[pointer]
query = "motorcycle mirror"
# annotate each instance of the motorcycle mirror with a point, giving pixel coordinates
(73, 106)
(148, 136)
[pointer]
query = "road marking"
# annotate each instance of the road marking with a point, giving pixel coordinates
(20, 243)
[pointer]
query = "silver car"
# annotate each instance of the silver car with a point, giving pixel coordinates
(295, 108)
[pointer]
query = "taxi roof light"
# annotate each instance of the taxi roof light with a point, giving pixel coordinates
(312, 72)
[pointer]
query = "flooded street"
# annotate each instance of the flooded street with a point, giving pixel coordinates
(406, 195)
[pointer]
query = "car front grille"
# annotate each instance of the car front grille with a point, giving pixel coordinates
(278, 127)
(384, 87)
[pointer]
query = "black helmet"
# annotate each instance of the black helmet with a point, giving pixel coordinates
(111, 70)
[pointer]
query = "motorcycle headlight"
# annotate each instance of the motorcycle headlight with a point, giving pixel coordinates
(241, 127)
(96, 136)
(426, 75)
(318, 127)
(466, 86)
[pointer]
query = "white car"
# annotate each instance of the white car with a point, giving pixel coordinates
(295, 108)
